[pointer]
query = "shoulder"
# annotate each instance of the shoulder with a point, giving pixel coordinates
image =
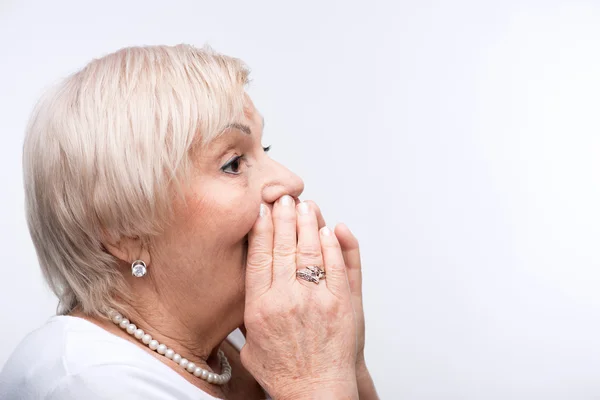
(118, 381)
(70, 358)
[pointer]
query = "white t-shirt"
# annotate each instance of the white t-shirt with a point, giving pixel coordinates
(71, 358)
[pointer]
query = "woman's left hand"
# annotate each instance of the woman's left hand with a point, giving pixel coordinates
(351, 252)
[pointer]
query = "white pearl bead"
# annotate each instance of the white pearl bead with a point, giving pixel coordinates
(191, 367)
(131, 329)
(169, 353)
(211, 377)
(153, 344)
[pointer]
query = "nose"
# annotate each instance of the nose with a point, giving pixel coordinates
(281, 181)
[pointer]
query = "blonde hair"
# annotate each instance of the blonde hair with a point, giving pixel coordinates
(104, 150)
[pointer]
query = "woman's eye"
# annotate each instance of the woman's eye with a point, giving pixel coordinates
(233, 166)
(266, 149)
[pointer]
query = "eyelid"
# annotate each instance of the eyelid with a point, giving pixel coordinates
(231, 161)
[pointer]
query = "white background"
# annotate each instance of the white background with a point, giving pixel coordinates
(459, 140)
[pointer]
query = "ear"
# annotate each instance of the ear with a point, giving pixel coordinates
(129, 249)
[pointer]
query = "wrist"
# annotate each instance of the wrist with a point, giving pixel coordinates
(345, 389)
(364, 383)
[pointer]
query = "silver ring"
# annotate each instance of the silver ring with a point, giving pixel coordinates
(312, 273)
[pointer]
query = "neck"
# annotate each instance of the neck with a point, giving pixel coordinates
(196, 334)
(196, 337)
(193, 320)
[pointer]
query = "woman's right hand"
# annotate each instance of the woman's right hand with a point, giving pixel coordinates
(300, 336)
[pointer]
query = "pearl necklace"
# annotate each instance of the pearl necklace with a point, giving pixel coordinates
(162, 349)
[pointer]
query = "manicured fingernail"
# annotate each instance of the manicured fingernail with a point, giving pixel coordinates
(303, 208)
(263, 210)
(326, 231)
(286, 200)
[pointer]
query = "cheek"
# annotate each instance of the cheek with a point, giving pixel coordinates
(224, 219)
(241, 218)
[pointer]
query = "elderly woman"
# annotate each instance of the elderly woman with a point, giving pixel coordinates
(185, 265)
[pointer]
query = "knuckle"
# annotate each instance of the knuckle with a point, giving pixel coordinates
(279, 310)
(335, 266)
(331, 243)
(256, 318)
(283, 250)
(258, 244)
(309, 252)
(313, 205)
(331, 307)
(259, 259)
(262, 314)
(284, 216)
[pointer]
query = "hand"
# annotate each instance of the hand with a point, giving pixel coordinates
(351, 253)
(300, 337)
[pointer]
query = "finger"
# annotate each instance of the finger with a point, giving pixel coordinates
(308, 250)
(320, 220)
(335, 271)
(284, 241)
(351, 253)
(259, 260)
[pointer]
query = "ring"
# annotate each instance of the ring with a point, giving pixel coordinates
(312, 274)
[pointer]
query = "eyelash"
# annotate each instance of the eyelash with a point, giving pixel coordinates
(236, 159)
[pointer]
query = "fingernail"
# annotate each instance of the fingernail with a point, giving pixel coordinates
(326, 231)
(263, 210)
(286, 200)
(303, 208)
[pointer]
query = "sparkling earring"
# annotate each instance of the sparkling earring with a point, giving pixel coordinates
(138, 268)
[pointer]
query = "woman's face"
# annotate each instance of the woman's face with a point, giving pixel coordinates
(203, 254)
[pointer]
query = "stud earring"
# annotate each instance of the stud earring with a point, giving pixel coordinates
(138, 268)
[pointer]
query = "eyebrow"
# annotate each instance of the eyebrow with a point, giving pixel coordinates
(241, 127)
(245, 128)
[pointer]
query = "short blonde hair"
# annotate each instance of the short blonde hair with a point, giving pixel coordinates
(104, 150)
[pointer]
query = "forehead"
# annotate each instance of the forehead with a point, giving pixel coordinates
(251, 112)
